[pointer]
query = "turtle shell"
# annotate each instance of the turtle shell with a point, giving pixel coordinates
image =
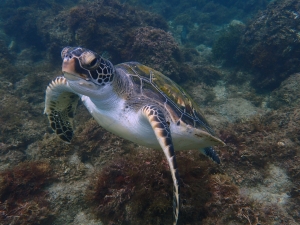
(170, 94)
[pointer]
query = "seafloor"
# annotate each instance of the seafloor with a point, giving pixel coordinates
(239, 60)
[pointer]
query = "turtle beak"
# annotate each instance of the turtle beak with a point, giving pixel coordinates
(72, 69)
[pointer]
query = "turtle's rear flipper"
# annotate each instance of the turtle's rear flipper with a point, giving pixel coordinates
(210, 152)
(60, 106)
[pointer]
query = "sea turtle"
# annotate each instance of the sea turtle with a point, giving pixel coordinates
(132, 101)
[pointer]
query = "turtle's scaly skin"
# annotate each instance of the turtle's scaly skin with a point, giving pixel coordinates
(130, 100)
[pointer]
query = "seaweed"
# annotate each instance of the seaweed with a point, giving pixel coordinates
(133, 189)
(136, 189)
(22, 198)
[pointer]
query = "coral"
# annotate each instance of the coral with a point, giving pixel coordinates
(22, 199)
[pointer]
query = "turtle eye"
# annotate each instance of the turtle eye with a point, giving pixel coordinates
(93, 62)
(89, 60)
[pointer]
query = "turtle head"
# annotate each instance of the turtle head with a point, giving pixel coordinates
(85, 70)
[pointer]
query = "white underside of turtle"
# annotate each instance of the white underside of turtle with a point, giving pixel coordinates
(133, 126)
(132, 101)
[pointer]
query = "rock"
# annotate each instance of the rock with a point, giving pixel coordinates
(287, 95)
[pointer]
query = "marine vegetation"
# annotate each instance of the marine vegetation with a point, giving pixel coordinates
(135, 189)
(208, 194)
(258, 144)
(22, 197)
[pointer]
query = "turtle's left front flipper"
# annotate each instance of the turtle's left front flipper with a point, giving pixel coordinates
(60, 106)
(161, 129)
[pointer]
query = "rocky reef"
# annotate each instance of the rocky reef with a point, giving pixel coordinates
(286, 95)
(158, 49)
(225, 46)
(270, 44)
(197, 22)
(107, 27)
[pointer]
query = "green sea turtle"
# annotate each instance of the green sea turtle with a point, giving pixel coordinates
(132, 101)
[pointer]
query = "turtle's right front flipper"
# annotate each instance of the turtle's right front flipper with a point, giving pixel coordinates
(162, 132)
(60, 106)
